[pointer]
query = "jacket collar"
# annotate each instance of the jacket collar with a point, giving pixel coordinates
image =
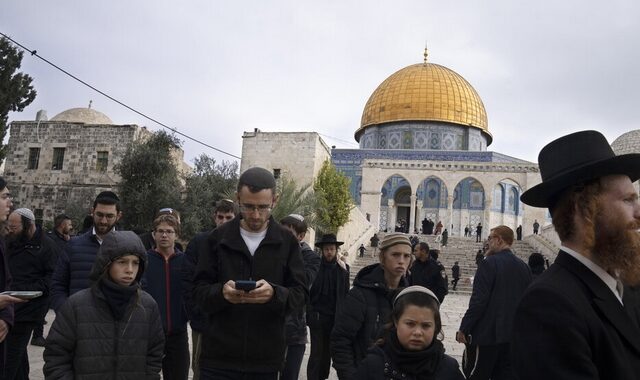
(230, 235)
(604, 299)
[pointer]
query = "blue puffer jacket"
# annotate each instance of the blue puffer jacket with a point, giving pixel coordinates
(73, 269)
(163, 280)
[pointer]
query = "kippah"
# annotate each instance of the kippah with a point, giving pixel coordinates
(393, 239)
(26, 213)
(257, 177)
(108, 195)
(414, 289)
(297, 216)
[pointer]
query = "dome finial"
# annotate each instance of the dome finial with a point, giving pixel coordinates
(426, 52)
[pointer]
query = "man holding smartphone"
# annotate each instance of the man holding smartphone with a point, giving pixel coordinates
(245, 339)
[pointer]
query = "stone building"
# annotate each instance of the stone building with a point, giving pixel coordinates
(60, 165)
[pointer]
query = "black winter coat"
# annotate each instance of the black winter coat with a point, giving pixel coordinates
(342, 288)
(296, 326)
(248, 337)
(430, 274)
(31, 264)
(86, 342)
(361, 319)
(74, 266)
(377, 366)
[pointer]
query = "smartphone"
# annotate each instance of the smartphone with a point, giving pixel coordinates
(23, 294)
(245, 285)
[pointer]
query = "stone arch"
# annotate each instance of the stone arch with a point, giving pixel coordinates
(512, 191)
(469, 194)
(396, 188)
(432, 191)
(499, 192)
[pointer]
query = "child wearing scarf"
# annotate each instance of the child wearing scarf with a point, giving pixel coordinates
(411, 348)
(112, 329)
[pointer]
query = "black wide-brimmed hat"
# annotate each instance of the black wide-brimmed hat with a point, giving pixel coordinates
(576, 158)
(328, 239)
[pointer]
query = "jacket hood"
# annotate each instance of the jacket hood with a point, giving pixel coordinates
(114, 245)
(371, 276)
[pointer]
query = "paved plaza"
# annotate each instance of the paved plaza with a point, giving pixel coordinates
(452, 310)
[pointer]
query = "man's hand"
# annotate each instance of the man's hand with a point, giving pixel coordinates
(261, 294)
(4, 329)
(6, 300)
(461, 338)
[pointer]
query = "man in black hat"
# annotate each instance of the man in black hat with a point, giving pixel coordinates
(249, 276)
(74, 264)
(327, 292)
(579, 319)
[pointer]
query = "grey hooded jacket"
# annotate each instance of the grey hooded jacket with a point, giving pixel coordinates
(86, 341)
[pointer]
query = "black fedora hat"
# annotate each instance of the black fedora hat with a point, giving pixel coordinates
(575, 158)
(328, 239)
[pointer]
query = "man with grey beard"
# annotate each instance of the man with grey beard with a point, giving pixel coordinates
(579, 319)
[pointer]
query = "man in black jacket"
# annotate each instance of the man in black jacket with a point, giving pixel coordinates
(327, 293)
(224, 211)
(428, 272)
(580, 318)
(31, 255)
(245, 338)
(498, 286)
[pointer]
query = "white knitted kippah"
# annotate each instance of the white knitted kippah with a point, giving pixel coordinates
(26, 213)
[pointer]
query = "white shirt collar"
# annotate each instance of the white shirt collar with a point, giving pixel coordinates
(609, 280)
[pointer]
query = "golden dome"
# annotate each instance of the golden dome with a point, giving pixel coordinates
(425, 92)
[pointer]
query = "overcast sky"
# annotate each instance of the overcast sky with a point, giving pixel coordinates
(213, 69)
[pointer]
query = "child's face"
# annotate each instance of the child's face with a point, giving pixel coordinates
(124, 269)
(415, 328)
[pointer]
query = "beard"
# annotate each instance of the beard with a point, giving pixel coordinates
(618, 251)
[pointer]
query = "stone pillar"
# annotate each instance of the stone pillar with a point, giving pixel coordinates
(391, 215)
(449, 210)
(412, 215)
(419, 216)
(487, 223)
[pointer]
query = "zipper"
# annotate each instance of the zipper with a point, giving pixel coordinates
(115, 350)
(167, 290)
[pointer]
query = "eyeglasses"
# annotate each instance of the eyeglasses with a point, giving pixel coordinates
(262, 209)
(165, 232)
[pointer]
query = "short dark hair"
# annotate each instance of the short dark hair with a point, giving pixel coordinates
(168, 219)
(226, 206)
(300, 226)
(423, 246)
(59, 219)
(107, 198)
(3, 183)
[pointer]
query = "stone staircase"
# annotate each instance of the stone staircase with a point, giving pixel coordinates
(460, 249)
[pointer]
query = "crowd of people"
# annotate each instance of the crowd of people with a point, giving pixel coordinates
(250, 289)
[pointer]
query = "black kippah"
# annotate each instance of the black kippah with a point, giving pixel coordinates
(108, 195)
(258, 178)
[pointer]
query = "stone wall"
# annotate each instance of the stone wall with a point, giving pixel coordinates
(49, 191)
(298, 155)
